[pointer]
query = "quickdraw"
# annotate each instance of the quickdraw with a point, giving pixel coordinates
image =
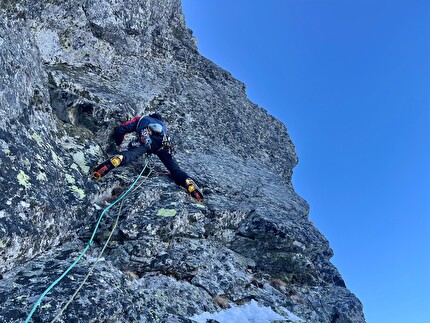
(168, 143)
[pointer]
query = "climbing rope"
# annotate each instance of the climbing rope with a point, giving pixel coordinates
(98, 258)
(90, 242)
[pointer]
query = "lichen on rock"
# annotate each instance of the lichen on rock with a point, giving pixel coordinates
(23, 179)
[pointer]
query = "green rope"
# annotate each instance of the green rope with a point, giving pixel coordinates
(90, 242)
(98, 258)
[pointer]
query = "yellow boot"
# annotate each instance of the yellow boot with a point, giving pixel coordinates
(116, 160)
(193, 189)
(105, 167)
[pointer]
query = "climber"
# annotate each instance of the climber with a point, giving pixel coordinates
(152, 138)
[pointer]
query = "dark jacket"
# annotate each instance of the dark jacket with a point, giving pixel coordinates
(138, 124)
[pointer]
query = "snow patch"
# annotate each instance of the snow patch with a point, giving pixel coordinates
(249, 313)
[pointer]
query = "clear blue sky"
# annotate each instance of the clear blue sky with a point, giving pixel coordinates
(351, 81)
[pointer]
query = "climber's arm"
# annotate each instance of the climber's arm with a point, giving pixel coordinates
(121, 130)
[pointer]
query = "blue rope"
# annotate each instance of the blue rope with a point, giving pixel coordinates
(86, 248)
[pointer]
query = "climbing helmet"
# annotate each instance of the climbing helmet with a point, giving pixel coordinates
(155, 129)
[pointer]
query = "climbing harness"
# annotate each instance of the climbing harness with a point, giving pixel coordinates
(168, 143)
(145, 138)
(156, 130)
(153, 129)
(90, 242)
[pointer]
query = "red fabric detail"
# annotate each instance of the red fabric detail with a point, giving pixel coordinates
(136, 119)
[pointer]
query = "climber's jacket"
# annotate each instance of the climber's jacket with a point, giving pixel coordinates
(140, 126)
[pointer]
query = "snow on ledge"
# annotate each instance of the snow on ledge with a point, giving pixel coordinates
(249, 313)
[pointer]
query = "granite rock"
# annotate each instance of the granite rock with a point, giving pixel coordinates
(72, 71)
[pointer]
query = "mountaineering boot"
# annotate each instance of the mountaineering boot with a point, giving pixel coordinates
(193, 189)
(116, 160)
(105, 167)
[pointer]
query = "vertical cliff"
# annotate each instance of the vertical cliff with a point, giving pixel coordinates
(71, 72)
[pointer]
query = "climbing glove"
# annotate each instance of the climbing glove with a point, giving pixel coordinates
(193, 189)
(105, 167)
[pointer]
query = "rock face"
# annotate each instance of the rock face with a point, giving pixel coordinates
(71, 72)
